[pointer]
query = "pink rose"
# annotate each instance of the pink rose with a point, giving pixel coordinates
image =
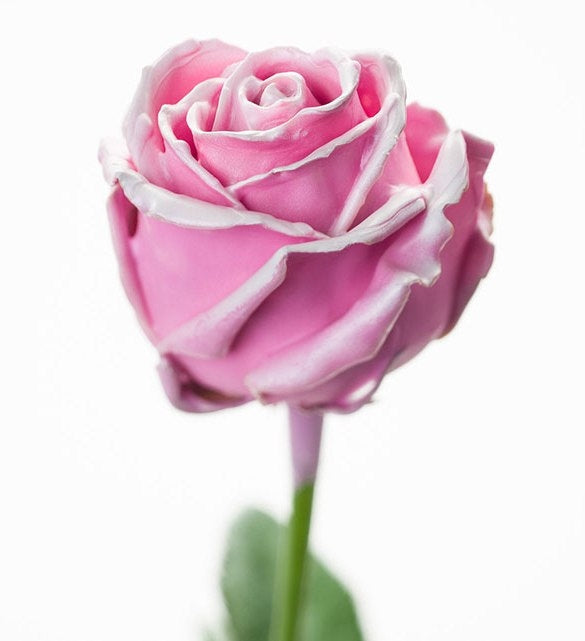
(286, 228)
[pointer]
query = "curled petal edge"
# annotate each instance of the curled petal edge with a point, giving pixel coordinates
(185, 211)
(171, 114)
(326, 354)
(349, 76)
(139, 121)
(186, 394)
(210, 334)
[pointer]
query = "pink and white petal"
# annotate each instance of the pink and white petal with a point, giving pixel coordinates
(123, 219)
(187, 394)
(380, 75)
(234, 156)
(186, 271)
(465, 260)
(170, 78)
(266, 104)
(114, 158)
(425, 131)
(398, 171)
(330, 75)
(183, 257)
(349, 390)
(293, 280)
(411, 160)
(333, 181)
(389, 163)
(188, 212)
(412, 257)
(181, 171)
(472, 220)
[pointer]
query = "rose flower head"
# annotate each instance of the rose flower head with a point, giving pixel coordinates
(287, 229)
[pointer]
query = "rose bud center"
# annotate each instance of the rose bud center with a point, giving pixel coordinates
(270, 102)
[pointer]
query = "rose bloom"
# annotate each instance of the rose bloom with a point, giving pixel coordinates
(286, 228)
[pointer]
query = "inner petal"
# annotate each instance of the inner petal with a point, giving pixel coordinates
(268, 103)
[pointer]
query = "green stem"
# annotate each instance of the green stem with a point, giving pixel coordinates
(305, 441)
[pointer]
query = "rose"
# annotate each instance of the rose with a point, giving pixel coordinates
(286, 229)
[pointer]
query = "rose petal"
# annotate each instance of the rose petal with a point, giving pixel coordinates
(186, 394)
(326, 188)
(211, 334)
(266, 104)
(269, 355)
(412, 257)
(465, 261)
(234, 155)
(182, 173)
(122, 215)
(165, 82)
(426, 131)
(429, 312)
(197, 214)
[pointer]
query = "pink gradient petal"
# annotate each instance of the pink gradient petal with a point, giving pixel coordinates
(185, 394)
(184, 211)
(167, 81)
(465, 260)
(429, 312)
(123, 218)
(268, 104)
(233, 154)
(212, 333)
(186, 272)
(412, 257)
(317, 189)
(426, 131)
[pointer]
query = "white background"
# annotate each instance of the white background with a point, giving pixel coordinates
(454, 506)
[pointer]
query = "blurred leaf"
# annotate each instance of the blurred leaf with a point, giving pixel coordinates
(330, 613)
(218, 635)
(248, 581)
(248, 574)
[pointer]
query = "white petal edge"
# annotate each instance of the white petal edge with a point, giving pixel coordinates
(182, 149)
(137, 126)
(325, 150)
(211, 333)
(391, 124)
(348, 75)
(183, 210)
(327, 354)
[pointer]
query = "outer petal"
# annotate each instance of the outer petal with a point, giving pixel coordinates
(186, 394)
(379, 259)
(412, 257)
(465, 260)
(346, 263)
(429, 312)
(123, 218)
(180, 209)
(178, 259)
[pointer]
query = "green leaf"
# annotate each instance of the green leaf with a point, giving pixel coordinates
(328, 612)
(224, 634)
(248, 574)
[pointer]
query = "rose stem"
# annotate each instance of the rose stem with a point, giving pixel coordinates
(305, 438)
